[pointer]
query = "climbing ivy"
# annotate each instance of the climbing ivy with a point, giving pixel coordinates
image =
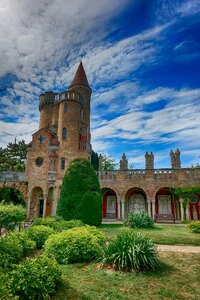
(186, 193)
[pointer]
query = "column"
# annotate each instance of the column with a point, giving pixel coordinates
(118, 209)
(187, 212)
(153, 209)
(149, 207)
(182, 209)
(28, 206)
(123, 200)
(45, 206)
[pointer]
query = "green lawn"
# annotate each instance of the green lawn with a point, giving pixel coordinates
(160, 234)
(179, 279)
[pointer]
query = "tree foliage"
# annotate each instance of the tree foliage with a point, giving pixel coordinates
(186, 192)
(80, 196)
(108, 163)
(10, 195)
(95, 160)
(13, 157)
(11, 215)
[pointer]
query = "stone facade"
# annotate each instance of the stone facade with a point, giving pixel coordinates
(64, 134)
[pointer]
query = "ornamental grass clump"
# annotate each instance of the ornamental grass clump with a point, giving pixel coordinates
(76, 245)
(194, 227)
(39, 234)
(138, 220)
(131, 252)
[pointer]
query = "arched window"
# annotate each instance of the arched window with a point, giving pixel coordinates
(64, 133)
(62, 163)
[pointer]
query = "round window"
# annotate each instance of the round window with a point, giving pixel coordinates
(39, 161)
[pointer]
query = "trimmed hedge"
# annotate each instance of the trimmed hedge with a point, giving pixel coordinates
(35, 278)
(76, 245)
(13, 246)
(39, 234)
(194, 227)
(57, 223)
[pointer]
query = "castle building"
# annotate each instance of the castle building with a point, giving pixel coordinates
(64, 134)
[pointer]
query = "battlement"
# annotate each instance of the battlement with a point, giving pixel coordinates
(46, 99)
(68, 95)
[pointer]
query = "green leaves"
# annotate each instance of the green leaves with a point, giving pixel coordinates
(138, 220)
(80, 196)
(39, 234)
(131, 252)
(11, 215)
(80, 244)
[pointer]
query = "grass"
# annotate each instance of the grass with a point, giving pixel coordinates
(179, 279)
(160, 234)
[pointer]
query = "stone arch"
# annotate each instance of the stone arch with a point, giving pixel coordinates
(135, 200)
(12, 195)
(110, 205)
(194, 207)
(167, 208)
(37, 203)
(19, 186)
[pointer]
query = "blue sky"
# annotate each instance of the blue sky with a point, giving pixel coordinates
(142, 60)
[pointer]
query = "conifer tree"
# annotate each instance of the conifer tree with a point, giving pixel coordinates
(80, 196)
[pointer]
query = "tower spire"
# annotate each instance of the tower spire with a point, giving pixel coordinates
(80, 77)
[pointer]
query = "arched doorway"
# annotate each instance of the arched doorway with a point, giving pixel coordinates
(49, 202)
(37, 203)
(164, 206)
(12, 195)
(135, 200)
(110, 209)
(194, 207)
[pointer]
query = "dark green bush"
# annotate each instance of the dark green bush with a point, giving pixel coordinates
(57, 223)
(34, 278)
(39, 234)
(81, 244)
(138, 220)
(194, 227)
(11, 250)
(131, 252)
(80, 196)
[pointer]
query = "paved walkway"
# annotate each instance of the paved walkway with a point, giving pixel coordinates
(178, 248)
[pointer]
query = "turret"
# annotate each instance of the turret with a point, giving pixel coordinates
(46, 102)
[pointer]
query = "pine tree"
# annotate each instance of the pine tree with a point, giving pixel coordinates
(95, 160)
(80, 196)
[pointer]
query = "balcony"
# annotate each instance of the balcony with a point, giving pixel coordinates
(52, 176)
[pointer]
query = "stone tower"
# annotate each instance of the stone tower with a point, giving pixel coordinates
(64, 134)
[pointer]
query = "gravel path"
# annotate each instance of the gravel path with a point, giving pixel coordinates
(178, 248)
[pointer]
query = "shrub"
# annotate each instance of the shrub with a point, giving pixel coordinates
(10, 250)
(138, 220)
(11, 215)
(57, 223)
(26, 243)
(131, 251)
(39, 234)
(34, 278)
(81, 244)
(194, 227)
(80, 196)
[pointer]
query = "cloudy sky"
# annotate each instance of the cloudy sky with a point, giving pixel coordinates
(142, 59)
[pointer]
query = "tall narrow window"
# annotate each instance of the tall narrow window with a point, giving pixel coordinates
(65, 107)
(64, 133)
(62, 164)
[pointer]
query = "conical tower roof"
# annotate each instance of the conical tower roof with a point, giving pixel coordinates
(80, 77)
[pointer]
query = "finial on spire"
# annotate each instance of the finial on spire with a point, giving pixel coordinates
(80, 77)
